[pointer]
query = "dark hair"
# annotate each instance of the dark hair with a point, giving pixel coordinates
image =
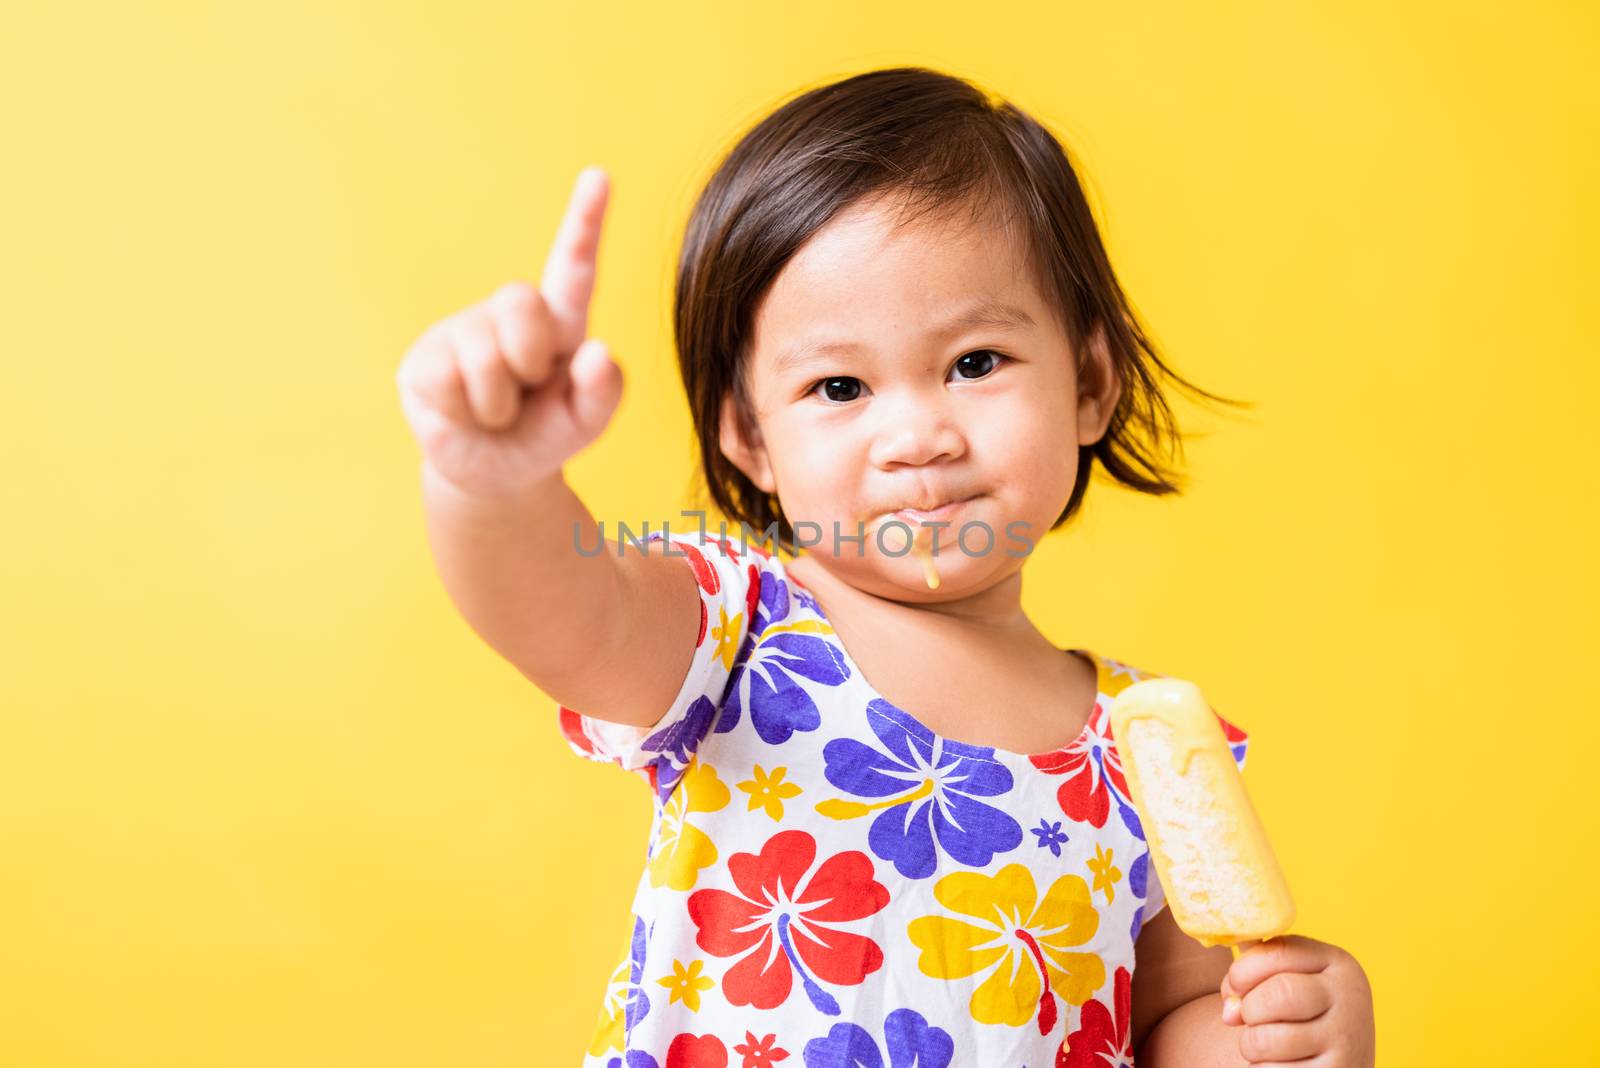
(937, 142)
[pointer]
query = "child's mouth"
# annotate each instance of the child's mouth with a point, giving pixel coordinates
(924, 536)
(914, 516)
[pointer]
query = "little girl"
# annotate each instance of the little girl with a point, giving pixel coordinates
(890, 823)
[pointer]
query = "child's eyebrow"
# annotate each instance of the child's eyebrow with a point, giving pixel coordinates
(986, 312)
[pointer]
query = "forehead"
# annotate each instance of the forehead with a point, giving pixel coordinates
(868, 278)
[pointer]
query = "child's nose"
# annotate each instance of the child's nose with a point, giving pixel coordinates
(917, 433)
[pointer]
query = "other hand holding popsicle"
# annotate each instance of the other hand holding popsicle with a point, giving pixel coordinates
(1296, 997)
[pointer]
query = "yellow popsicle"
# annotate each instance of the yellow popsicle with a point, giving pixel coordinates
(1211, 853)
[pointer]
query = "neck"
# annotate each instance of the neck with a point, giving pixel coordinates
(994, 610)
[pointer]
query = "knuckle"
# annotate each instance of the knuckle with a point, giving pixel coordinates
(1356, 981)
(475, 345)
(421, 351)
(444, 366)
(490, 386)
(1253, 1044)
(518, 304)
(516, 294)
(528, 350)
(1274, 998)
(434, 437)
(520, 340)
(432, 372)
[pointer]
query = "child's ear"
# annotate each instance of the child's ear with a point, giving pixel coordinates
(1099, 387)
(743, 447)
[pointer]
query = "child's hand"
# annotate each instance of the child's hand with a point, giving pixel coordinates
(1300, 998)
(501, 394)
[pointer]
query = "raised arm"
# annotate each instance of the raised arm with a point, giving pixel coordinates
(499, 396)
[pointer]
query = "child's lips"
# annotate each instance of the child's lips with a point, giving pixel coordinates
(914, 516)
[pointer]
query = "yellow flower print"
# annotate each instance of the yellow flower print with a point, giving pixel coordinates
(624, 1001)
(726, 634)
(609, 1033)
(1106, 877)
(799, 626)
(769, 791)
(686, 983)
(1115, 676)
(682, 849)
(1028, 943)
(836, 808)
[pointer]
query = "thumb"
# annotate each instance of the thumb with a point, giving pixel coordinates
(1231, 1013)
(595, 387)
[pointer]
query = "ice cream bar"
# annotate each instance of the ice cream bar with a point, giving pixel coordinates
(1211, 854)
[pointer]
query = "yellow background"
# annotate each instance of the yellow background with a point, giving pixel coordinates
(266, 800)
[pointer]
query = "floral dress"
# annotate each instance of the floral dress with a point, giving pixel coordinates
(831, 884)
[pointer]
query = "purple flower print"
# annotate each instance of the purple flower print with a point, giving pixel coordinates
(1050, 836)
(911, 1040)
(1138, 883)
(638, 1005)
(635, 1059)
(675, 743)
(931, 785)
(769, 665)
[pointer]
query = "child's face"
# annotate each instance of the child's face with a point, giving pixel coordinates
(916, 415)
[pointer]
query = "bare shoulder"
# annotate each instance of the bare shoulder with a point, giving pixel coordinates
(1170, 968)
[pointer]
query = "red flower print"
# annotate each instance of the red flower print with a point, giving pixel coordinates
(756, 547)
(759, 1053)
(1100, 1041)
(704, 573)
(691, 1051)
(1236, 737)
(752, 586)
(711, 582)
(572, 727)
(752, 595)
(706, 576)
(1089, 763)
(779, 921)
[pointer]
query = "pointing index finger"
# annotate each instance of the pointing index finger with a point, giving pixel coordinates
(569, 270)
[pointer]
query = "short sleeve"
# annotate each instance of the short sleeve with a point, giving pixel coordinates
(727, 574)
(1155, 896)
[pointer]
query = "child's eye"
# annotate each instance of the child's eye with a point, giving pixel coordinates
(831, 387)
(844, 388)
(972, 362)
